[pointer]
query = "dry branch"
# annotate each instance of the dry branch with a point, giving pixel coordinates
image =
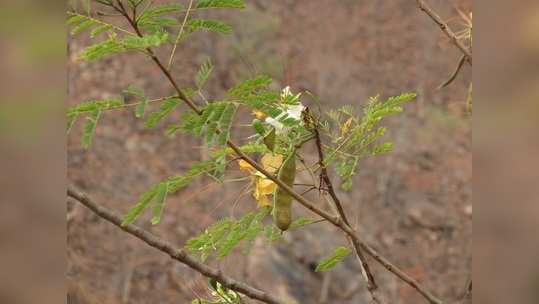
(446, 29)
(176, 254)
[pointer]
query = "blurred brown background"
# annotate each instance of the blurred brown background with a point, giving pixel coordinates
(413, 205)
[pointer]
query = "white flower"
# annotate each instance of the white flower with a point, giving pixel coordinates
(285, 92)
(295, 111)
(279, 127)
(288, 97)
(292, 111)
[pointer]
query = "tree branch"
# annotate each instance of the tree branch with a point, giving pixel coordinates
(324, 176)
(446, 29)
(176, 254)
(336, 221)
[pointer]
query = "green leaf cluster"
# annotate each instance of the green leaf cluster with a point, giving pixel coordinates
(255, 93)
(140, 109)
(202, 4)
(115, 45)
(222, 237)
(81, 23)
(357, 137)
(215, 122)
(158, 193)
(92, 111)
(221, 294)
(164, 110)
(207, 25)
(154, 19)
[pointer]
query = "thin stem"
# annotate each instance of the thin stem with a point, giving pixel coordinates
(173, 52)
(177, 254)
(454, 74)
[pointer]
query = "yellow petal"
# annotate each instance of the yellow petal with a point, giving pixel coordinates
(259, 114)
(346, 126)
(245, 166)
(264, 201)
(265, 186)
(272, 162)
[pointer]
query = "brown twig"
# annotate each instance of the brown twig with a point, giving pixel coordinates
(446, 29)
(324, 177)
(468, 292)
(454, 74)
(176, 254)
(336, 221)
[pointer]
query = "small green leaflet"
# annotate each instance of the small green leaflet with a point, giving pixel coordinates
(300, 222)
(209, 25)
(114, 45)
(247, 148)
(164, 110)
(259, 127)
(215, 121)
(142, 203)
(159, 192)
(93, 109)
(89, 128)
(81, 23)
(220, 4)
(222, 237)
(102, 49)
(204, 73)
(159, 10)
(250, 86)
(329, 262)
(160, 197)
(140, 109)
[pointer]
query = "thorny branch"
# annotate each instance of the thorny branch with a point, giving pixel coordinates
(446, 29)
(325, 180)
(176, 254)
(336, 221)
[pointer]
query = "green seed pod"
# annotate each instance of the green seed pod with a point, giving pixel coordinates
(282, 200)
(269, 140)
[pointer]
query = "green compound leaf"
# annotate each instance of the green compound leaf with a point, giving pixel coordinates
(164, 110)
(220, 4)
(204, 73)
(162, 190)
(89, 128)
(208, 25)
(336, 257)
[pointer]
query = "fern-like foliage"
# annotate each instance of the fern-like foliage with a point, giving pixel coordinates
(164, 110)
(335, 258)
(115, 45)
(221, 295)
(203, 74)
(255, 93)
(222, 237)
(81, 23)
(251, 147)
(158, 193)
(215, 122)
(357, 137)
(139, 94)
(208, 25)
(92, 110)
(155, 18)
(202, 4)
